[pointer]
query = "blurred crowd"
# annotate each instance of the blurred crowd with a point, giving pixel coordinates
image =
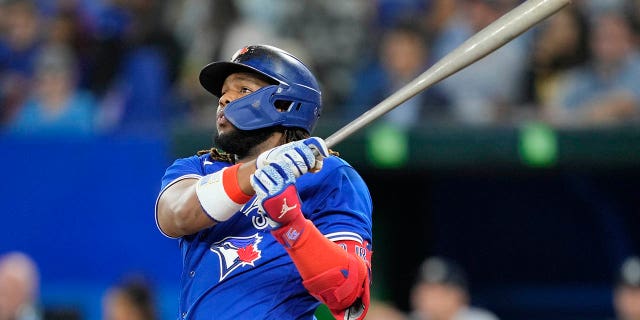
(86, 67)
(441, 291)
(130, 298)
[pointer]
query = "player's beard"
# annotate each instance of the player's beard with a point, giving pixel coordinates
(241, 142)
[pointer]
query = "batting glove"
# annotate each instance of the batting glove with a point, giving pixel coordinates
(278, 197)
(300, 156)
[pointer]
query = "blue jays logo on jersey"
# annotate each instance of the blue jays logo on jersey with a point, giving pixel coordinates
(236, 252)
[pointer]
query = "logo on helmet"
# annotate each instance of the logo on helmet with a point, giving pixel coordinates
(239, 53)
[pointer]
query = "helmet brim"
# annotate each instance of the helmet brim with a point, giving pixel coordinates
(213, 75)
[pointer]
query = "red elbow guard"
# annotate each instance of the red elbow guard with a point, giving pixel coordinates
(344, 291)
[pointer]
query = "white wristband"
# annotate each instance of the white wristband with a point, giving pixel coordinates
(214, 200)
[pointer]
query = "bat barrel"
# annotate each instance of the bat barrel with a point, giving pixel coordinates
(487, 40)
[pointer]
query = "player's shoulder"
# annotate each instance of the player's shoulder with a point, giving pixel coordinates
(333, 164)
(203, 163)
(332, 168)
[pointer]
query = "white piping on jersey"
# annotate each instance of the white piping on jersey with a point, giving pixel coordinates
(344, 235)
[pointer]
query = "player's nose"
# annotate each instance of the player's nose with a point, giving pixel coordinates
(223, 101)
(227, 98)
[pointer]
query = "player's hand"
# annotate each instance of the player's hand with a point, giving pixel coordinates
(300, 156)
(275, 189)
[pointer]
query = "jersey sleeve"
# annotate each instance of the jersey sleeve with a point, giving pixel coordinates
(339, 203)
(183, 168)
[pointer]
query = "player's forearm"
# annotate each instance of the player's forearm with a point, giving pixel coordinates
(244, 177)
(180, 212)
(334, 274)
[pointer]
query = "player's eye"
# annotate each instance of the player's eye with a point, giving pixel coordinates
(246, 90)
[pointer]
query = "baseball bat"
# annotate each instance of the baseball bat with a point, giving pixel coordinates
(487, 40)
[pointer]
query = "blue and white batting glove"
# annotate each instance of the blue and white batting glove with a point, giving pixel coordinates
(300, 156)
(277, 194)
(274, 185)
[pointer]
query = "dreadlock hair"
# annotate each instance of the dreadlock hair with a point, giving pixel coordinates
(290, 135)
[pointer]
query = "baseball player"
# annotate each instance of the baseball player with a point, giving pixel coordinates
(270, 223)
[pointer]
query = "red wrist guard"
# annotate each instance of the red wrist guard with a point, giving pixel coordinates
(284, 209)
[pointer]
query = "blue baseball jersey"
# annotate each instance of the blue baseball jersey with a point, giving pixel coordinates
(237, 270)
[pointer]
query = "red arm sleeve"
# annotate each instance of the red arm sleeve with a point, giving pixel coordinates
(336, 273)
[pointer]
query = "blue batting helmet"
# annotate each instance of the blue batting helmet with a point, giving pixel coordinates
(292, 82)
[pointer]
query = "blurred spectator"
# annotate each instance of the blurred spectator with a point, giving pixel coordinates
(202, 28)
(633, 9)
(149, 29)
(131, 299)
(335, 36)
(21, 36)
(607, 89)
(380, 310)
(19, 43)
(439, 14)
(403, 54)
(441, 293)
(389, 12)
(137, 96)
(560, 44)
(112, 21)
(19, 285)
(626, 300)
(248, 30)
(484, 92)
(197, 32)
(67, 27)
(593, 8)
(56, 106)
(214, 30)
